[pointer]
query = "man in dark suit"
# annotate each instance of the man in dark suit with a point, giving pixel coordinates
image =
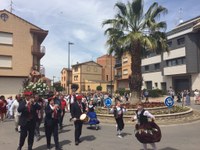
(27, 121)
(52, 111)
(77, 109)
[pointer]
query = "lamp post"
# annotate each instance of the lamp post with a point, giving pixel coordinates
(68, 72)
(53, 82)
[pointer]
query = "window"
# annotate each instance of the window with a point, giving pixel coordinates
(6, 38)
(175, 62)
(146, 68)
(181, 41)
(125, 60)
(156, 85)
(95, 69)
(125, 71)
(75, 69)
(157, 66)
(88, 68)
(76, 78)
(169, 43)
(5, 61)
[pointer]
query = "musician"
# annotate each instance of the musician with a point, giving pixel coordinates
(146, 132)
(51, 123)
(27, 121)
(57, 101)
(72, 96)
(118, 112)
(77, 109)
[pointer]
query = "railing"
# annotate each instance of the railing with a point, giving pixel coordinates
(38, 51)
(118, 76)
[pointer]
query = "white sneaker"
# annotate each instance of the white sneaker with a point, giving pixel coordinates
(119, 136)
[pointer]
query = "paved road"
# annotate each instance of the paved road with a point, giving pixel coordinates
(175, 137)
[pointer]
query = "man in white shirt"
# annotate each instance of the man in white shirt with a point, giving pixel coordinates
(13, 111)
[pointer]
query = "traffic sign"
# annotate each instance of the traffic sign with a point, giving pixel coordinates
(169, 101)
(108, 102)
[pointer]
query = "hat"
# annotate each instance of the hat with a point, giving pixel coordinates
(79, 97)
(28, 93)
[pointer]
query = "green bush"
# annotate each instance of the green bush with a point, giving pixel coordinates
(155, 93)
(99, 88)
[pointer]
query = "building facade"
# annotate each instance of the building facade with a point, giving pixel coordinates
(66, 79)
(20, 51)
(107, 62)
(180, 67)
(85, 74)
(122, 71)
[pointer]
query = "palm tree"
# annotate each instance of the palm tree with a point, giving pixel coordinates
(137, 33)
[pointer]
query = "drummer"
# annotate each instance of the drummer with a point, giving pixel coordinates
(77, 109)
(142, 116)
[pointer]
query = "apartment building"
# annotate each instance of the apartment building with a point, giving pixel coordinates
(107, 62)
(20, 51)
(180, 67)
(122, 71)
(66, 79)
(87, 75)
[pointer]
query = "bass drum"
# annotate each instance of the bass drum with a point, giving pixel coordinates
(148, 133)
(84, 118)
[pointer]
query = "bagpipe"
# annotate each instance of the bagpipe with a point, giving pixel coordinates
(148, 133)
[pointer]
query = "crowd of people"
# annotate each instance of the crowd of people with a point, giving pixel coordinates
(30, 110)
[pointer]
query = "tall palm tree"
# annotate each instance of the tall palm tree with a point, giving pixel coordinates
(138, 33)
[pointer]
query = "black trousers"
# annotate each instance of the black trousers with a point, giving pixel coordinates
(61, 118)
(37, 127)
(120, 123)
(49, 130)
(78, 129)
(27, 129)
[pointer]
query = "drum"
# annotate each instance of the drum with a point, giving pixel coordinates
(84, 118)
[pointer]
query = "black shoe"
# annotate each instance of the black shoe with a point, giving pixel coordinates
(58, 148)
(19, 148)
(16, 129)
(76, 143)
(79, 141)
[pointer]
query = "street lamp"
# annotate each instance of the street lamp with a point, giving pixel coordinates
(53, 81)
(68, 72)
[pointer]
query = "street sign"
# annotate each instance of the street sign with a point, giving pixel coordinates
(108, 102)
(169, 101)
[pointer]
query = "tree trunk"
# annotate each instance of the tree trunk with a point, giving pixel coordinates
(135, 79)
(135, 98)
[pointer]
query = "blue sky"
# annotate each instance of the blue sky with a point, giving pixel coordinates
(80, 22)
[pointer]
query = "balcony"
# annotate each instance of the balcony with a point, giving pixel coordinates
(117, 77)
(118, 65)
(38, 51)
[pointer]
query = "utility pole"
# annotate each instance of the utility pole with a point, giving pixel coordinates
(68, 72)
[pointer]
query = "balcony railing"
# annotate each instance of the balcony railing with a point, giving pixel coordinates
(118, 76)
(118, 65)
(38, 51)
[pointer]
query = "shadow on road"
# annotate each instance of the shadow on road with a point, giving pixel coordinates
(168, 148)
(62, 143)
(88, 138)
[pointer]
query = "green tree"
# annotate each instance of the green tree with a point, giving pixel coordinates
(138, 33)
(99, 88)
